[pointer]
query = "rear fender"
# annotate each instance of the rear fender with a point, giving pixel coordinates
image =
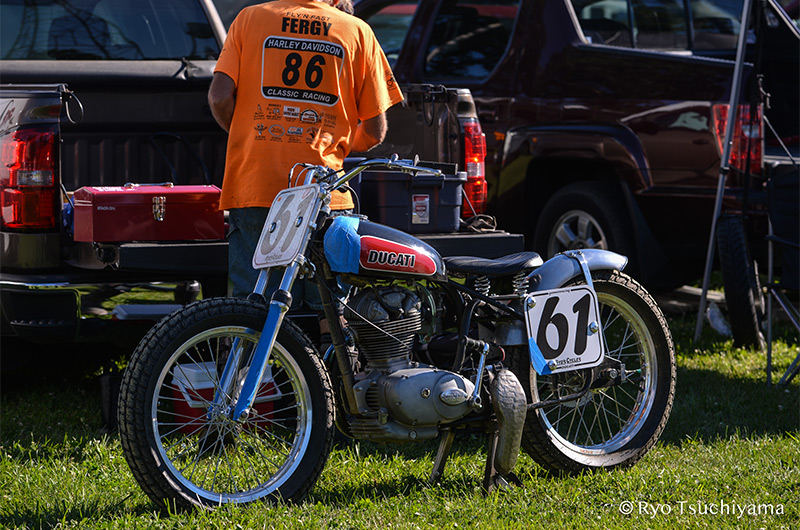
(560, 269)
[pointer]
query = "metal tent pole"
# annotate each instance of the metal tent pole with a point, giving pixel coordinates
(724, 166)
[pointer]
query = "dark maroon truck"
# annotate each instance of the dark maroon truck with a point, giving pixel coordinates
(102, 93)
(604, 120)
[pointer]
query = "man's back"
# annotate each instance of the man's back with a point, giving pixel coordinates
(305, 74)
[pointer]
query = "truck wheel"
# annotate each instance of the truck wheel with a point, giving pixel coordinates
(584, 215)
(743, 294)
(186, 451)
(610, 426)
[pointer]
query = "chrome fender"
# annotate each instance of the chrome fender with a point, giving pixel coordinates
(561, 268)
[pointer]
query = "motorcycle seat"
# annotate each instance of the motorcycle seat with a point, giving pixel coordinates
(492, 268)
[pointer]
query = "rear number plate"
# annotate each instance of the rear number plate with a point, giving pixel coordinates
(564, 329)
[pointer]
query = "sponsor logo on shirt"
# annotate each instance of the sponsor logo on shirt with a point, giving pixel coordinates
(309, 116)
(291, 112)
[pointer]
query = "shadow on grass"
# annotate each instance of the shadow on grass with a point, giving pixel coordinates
(710, 405)
(80, 515)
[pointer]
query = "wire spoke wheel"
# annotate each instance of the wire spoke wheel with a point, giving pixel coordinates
(184, 445)
(208, 450)
(604, 419)
(616, 424)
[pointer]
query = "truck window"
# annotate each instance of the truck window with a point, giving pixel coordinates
(105, 30)
(390, 25)
(469, 38)
(657, 24)
(661, 24)
(605, 21)
(716, 23)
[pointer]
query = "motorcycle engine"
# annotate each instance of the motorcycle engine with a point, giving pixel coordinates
(387, 320)
(399, 399)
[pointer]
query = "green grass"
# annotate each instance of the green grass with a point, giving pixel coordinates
(729, 458)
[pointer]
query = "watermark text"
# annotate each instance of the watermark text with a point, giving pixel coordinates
(700, 509)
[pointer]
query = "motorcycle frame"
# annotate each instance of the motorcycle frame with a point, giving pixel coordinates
(281, 299)
(553, 273)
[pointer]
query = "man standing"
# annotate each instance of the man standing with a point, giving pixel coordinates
(296, 81)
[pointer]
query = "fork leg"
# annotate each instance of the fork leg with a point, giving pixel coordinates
(278, 306)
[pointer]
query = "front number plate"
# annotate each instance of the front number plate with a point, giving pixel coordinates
(283, 236)
(564, 330)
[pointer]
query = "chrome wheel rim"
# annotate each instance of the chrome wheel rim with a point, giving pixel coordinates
(576, 229)
(605, 420)
(211, 455)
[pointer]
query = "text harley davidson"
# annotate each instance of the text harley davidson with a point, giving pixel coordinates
(397, 259)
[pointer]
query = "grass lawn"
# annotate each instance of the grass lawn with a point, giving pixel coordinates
(729, 458)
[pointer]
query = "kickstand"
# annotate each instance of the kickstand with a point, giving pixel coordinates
(493, 480)
(441, 455)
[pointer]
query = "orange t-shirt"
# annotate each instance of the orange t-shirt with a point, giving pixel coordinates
(305, 74)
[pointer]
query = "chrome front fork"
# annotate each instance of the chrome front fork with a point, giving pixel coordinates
(279, 305)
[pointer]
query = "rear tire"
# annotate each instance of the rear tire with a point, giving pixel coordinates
(185, 453)
(614, 426)
(743, 294)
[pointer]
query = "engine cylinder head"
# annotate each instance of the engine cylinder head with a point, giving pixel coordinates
(385, 321)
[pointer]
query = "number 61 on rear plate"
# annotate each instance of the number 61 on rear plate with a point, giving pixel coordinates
(564, 331)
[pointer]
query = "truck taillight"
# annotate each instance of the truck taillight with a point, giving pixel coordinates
(747, 135)
(29, 194)
(474, 156)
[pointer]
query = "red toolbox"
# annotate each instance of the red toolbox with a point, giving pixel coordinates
(148, 212)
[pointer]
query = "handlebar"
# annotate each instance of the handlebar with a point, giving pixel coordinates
(395, 162)
(326, 175)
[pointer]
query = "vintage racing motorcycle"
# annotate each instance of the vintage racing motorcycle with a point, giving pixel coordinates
(226, 401)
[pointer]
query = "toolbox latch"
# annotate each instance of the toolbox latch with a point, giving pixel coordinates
(159, 207)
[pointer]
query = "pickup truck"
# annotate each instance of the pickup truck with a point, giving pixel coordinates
(103, 93)
(604, 121)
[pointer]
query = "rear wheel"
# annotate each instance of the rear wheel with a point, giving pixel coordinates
(612, 426)
(185, 450)
(743, 294)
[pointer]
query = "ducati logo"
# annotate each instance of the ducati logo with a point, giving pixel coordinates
(391, 258)
(379, 254)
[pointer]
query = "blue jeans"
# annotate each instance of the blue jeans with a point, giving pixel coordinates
(245, 225)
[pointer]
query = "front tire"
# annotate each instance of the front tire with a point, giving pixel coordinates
(614, 426)
(185, 452)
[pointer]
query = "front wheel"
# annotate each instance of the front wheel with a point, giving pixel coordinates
(614, 425)
(184, 449)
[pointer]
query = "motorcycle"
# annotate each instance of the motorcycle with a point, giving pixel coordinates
(228, 401)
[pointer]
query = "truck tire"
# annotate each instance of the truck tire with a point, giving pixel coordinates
(611, 426)
(584, 215)
(743, 294)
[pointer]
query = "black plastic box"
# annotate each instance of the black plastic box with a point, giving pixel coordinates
(421, 204)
